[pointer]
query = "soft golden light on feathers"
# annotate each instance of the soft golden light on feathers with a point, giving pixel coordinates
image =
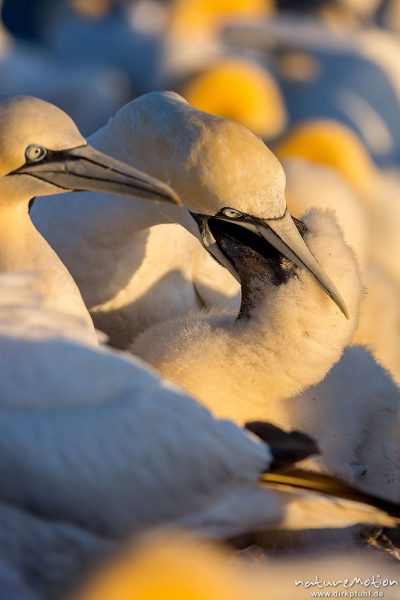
(214, 163)
(242, 91)
(333, 144)
(25, 120)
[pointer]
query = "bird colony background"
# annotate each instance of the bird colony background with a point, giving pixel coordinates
(318, 81)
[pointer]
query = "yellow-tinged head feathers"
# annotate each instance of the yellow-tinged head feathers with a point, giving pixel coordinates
(210, 162)
(25, 121)
(331, 143)
(240, 90)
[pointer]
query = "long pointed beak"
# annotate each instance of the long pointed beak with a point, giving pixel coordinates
(283, 235)
(85, 169)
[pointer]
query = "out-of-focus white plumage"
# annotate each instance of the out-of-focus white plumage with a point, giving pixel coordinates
(85, 429)
(62, 400)
(40, 557)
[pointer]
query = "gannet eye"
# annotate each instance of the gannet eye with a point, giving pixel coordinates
(231, 213)
(35, 153)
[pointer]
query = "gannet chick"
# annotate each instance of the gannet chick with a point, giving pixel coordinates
(354, 414)
(378, 328)
(373, 235)
(42, 153)
(357, 380)
(286, 337)
(217, 167)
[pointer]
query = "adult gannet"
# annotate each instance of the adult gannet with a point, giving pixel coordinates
(217, 167)
(42, 558)
(42, 153)
(96, 448)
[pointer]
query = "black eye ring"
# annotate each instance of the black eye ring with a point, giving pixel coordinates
(231, 213)
(35, 153)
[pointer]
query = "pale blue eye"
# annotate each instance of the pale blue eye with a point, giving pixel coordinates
(231, 213)
(35, 153)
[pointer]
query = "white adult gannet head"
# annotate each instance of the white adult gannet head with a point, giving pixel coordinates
(42, 153)
(218, 168)
(223, 171)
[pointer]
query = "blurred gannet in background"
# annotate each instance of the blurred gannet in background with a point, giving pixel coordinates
(41, 153)
(350, 76)
(193, 35)
(241, 90)
(212, 76)
(115, 233)
(162, 45)
(84, 429)
(389, 15)
(330, 144)
(318, 185)
(199, 570)
(88, 94)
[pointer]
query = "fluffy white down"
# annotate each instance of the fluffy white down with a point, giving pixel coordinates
(354, 414)
(294, 336)
(378, 328)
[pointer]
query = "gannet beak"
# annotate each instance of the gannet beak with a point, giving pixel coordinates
(85, 169)
(283, 235)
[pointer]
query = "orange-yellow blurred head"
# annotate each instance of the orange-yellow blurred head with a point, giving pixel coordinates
(170, 568)
(240, 90)
(328, 142)
(203, 15)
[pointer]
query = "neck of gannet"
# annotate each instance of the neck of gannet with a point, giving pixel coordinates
(23, 248)
(112, 230)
